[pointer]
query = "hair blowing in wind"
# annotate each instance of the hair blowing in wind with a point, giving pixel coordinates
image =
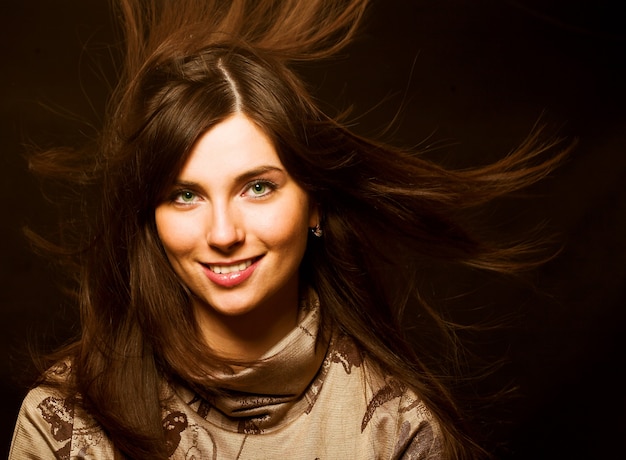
(189, 67)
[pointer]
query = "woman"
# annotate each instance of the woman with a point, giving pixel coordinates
(242, 277)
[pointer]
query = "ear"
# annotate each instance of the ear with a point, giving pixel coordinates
(314, 213)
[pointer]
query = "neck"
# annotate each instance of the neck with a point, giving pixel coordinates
(248, 336)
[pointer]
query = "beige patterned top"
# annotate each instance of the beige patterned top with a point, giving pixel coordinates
(301, 403)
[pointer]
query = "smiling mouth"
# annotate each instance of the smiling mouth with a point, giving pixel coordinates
(231, 268)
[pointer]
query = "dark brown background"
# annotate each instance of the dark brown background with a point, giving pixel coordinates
(473, 76)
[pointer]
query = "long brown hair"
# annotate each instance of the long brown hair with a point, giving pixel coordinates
(189, 65)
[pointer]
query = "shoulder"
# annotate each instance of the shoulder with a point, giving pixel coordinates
(418, 433)
(398, 411)
(44, 425)
(52, 421)
(53, 398)
(391, 414)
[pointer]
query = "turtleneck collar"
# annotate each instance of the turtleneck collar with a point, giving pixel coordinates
(261, 397)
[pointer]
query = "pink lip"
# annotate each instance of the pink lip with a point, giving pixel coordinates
(229, 280)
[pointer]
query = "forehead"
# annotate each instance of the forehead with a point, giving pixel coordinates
(229, 148)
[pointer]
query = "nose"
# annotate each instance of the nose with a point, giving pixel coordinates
(224, 231)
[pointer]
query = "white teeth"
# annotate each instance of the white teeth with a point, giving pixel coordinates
(225, 269)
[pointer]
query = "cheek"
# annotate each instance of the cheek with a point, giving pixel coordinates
(286, 228)
(176, 234)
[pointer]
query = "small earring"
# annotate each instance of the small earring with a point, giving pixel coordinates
(317, 231)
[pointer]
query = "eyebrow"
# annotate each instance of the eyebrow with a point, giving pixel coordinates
(240, 178)
(257, 172)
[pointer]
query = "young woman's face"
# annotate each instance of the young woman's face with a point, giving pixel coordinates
(234, 227)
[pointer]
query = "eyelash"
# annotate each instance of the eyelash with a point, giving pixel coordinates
(176, 196)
